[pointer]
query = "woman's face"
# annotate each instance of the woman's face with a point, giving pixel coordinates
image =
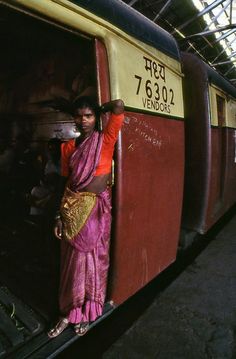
(85, 121)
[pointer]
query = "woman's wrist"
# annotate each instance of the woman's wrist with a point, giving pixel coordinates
(115, 106)
(118, 107)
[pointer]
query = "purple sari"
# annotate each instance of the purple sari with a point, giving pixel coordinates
(85, 258)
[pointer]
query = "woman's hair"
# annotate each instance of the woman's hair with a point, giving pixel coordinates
(88, 102)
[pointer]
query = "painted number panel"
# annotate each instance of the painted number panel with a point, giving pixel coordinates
(147, 83)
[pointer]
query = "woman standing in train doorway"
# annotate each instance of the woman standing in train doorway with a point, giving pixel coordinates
(84, 221)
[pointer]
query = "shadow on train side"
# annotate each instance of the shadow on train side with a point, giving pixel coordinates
(179, 150)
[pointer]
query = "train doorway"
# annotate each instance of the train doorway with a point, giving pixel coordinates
(42, 69)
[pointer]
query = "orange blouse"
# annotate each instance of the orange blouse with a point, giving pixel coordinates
(110, 134)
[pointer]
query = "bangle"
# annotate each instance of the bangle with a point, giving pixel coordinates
(57, 217)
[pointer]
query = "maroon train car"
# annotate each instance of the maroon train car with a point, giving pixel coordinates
(210, 127)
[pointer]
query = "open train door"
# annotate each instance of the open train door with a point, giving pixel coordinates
(149, 168)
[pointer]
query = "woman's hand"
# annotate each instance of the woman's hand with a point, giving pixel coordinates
(115, 106)
(58, 228)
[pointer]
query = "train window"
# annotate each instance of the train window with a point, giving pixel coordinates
(220, 101)
(42, 69)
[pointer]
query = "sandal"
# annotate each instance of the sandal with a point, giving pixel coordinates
(81, 328)
(61, 325)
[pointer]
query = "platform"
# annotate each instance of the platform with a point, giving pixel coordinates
(195, 317)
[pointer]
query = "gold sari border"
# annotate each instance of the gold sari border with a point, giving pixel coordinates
(76, 208)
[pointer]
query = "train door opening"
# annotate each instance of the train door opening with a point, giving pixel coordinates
(42, 69)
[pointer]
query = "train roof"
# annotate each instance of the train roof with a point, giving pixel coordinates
(218, 80)
(210, 73)
(133, 23)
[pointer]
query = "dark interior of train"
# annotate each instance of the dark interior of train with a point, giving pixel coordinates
(42, 69)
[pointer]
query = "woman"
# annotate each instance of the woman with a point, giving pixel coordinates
(85, 216)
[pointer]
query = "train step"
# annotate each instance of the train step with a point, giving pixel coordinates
(18, 322)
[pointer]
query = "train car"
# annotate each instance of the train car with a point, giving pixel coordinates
(55, 51)
(176, 107)
(210, 123)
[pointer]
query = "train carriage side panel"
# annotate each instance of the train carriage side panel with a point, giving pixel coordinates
(209, 145)
(149, 202)
(223, 171)
(230, 130)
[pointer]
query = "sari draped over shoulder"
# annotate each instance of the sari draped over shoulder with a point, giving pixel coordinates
(86, 221)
